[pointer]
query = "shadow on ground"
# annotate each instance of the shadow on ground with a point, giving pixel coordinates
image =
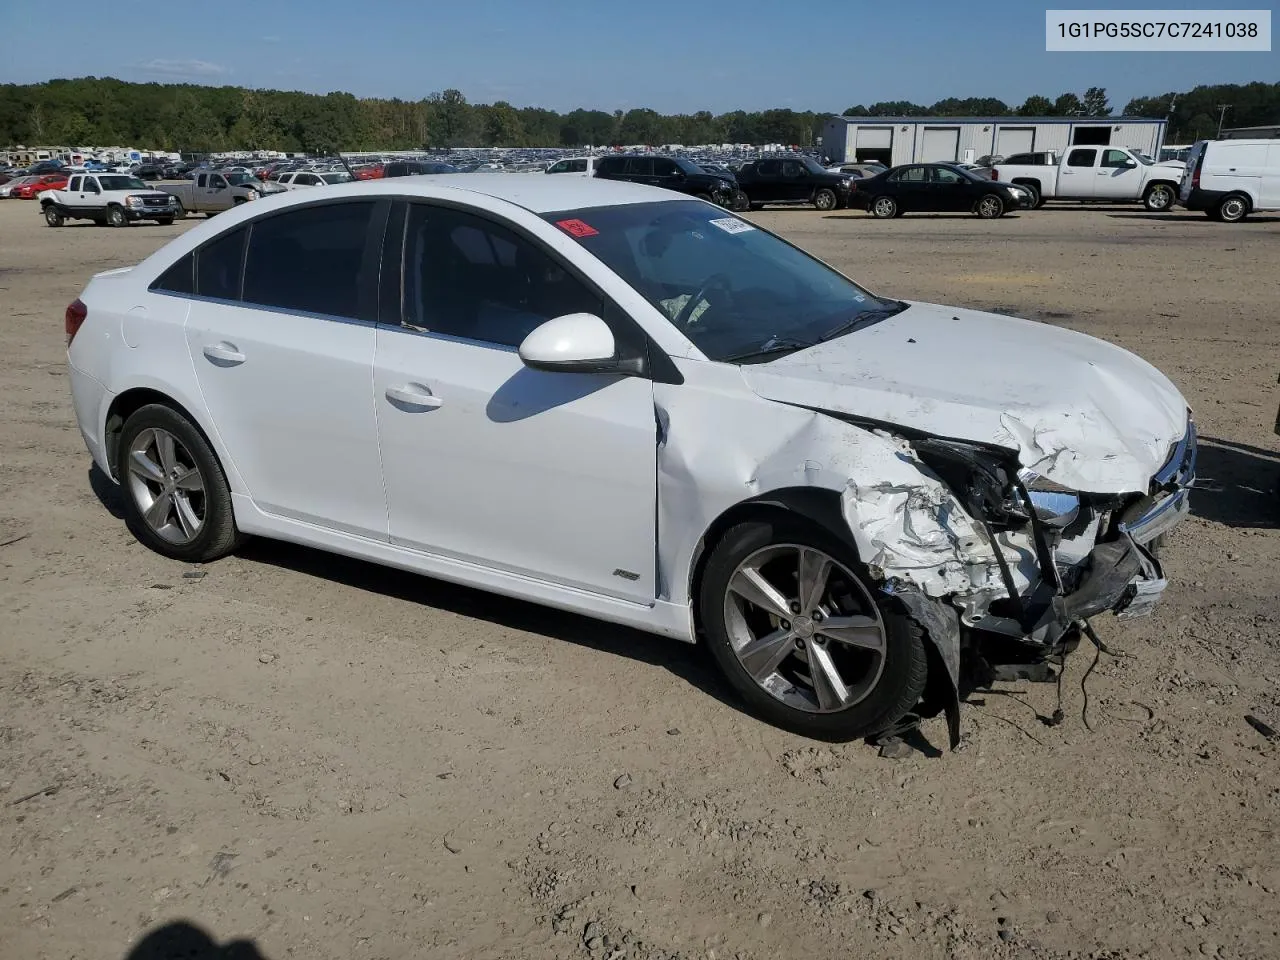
(181, 940)
(1246, 491)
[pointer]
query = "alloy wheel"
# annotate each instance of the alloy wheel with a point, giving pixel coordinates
(1161, 197)
(166, 485)
(989, 207)
(805, 628)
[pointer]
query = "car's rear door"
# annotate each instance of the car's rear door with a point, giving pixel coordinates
(281, 335)
(1076, 176)
(909, 186)
(550, 476)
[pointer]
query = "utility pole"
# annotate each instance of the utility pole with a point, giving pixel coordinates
(1223, 108)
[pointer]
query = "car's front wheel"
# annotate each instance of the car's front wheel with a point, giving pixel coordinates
(177, 501)
(1158, 198)
(800, 632)
(117, 217)
(52, 215)
(990, 207)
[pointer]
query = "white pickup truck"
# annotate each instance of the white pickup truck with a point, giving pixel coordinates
(107, 198)
(1114, 174)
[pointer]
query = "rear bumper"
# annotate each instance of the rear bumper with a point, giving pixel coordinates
(1198, 199)
(90, 399)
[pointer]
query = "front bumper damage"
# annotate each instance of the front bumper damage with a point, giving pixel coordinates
(1016, 587)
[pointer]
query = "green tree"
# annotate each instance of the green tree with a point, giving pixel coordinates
(1095, 103)
(1067, 105)
(1036, 106)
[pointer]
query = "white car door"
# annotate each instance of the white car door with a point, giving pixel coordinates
(547, 475)
(1118, 177)
(285, 366)
(1076, 176)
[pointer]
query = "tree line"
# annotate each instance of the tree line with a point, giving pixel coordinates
(187, 117)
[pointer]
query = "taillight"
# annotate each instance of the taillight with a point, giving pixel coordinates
(1195, 174)
(995, 174)
(74, 318)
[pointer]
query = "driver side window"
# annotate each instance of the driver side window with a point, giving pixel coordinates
(91, 185)
(465, 276)
(1115, 158)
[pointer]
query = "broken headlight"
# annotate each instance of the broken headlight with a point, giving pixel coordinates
(1055, 505)
(982, 479)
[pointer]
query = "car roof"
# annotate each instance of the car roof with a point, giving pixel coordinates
(532, 191)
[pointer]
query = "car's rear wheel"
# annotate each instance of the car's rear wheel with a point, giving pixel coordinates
(798, 629)
(1158, 198)
(884, 207)
(824, 199)
(1233, 209)
(52, 215)
(177, 501)
(1035, 201)
(990, 207)
(755, 206)
(117, 217)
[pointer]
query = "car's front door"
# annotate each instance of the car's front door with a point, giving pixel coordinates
(545, 475)
(1118, 177)
(284, 359)
(949, 190)
(1076, 176)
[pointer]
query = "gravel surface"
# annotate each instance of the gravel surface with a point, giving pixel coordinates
(332, 759)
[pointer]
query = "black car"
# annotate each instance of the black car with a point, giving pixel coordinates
(934, 188)
(793, 180)
(674, 173)
(413, 168)
(150, 171)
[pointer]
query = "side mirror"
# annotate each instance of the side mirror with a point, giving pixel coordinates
(1131, 163)
(574, 343)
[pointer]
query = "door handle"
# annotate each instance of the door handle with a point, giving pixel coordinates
(413, 396)
(223, 354)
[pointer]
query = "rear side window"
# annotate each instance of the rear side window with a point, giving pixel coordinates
(218, 266)
(310, 259)
(639, 167)
(769, 168)
(609, 166)
(74, 185)
(1082, 158)
(179, 278)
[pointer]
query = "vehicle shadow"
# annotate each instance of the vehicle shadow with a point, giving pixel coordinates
(181, 940)
(1189, 217)
(862, 215)
(690, 662)
(107, 491)
(1247, 488)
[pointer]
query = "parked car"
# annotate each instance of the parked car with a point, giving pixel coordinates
(107, 198)
(793, 180)
(295, 181)
(413, 168)
(34, 185)
(583, 166)
(149, 171)
(653, 412)
(8, 190)
(670, 173)
(212, 192)
(935, 188)
(1040, 158)
(1098, 173)
(1230, 179)
(43, 167)
(858, 170)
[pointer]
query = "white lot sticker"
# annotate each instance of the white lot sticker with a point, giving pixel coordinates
(732, 225)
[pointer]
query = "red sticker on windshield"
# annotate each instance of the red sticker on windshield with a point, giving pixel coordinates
(576, 228)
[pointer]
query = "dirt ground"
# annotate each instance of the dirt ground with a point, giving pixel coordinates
(332, 760)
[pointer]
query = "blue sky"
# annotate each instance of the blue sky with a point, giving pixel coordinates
(671, 55)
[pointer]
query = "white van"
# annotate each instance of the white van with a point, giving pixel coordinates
(582, 166)
(1230, 179)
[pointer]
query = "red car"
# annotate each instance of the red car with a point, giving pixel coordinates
(50, 181)
(370, 171)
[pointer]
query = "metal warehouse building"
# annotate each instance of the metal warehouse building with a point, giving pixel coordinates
(896, 140)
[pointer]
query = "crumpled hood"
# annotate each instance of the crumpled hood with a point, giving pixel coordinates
(1080, 411)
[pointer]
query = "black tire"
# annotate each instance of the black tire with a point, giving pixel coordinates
(217, 535)
(901, 681)
(1036, 201)
(707, 197)
(1159, 198)
(165, 221)
(117, 217)
(740, 202)
(1232, 209)
(755, 206)
(883, 208)
(52, 215)
(990, 207)
(824, 199)
(181, 212)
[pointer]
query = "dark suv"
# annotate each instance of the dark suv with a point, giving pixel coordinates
(412, 168)
(674, 173)
(793, 180)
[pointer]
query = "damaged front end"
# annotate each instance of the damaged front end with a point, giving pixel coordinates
(1003, 566)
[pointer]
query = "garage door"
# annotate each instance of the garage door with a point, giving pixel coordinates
(940, 144)
(1013, 140)
(875, 138)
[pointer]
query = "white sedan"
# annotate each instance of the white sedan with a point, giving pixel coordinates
(617, 400)
(306, 178)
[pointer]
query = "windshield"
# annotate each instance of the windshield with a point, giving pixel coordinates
(812, 165)
(1143, 159)
(335, 177)
(730, 287)
(122, 183)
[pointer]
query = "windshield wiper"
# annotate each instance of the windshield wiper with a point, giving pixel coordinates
(863, 319)
(771, 347)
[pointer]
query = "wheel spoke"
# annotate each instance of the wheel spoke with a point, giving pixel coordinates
(861, 632)
(187, 518)
(762, 656)
(827, 682)
(157, 515)
(191, 480)
(814, 569)
(165, 448)
(145, 467)
(749, 583)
